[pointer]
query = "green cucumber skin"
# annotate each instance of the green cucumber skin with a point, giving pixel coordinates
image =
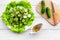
(48, 12)
(43, 7)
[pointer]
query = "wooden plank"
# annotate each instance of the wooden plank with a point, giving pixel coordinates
(3, 26)
(42, 35)
(2, 9)
(33, 2)
(39, 19)
(46, 25)
(47, 32)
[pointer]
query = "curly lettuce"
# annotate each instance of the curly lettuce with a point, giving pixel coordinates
(18, 15)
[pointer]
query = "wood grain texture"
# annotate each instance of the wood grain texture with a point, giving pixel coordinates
(46, 25)
(55, 18)
(38, 9)
(47, 32)
(42, 35)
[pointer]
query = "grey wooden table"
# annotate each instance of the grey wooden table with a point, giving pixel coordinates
(47, 32)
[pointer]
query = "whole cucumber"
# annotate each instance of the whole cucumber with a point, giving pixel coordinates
(43, 7)
(48, 12)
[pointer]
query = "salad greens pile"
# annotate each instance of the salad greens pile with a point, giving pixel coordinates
(18, 15)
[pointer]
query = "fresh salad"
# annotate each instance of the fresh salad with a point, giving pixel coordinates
(18, 15)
